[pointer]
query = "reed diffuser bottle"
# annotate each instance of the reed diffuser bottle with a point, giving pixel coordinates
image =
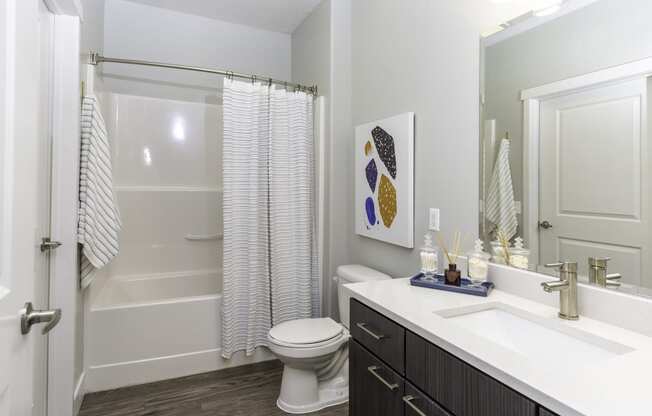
(452, 276)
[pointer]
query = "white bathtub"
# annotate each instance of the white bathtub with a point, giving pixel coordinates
(155, 327)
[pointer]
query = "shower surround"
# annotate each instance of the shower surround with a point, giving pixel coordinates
(155, 313)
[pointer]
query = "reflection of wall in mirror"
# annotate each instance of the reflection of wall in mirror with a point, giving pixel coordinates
(603, 34)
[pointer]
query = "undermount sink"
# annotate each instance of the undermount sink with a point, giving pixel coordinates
(547, 340)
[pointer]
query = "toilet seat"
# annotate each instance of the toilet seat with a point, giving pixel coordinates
(306, 333)
(307, 338)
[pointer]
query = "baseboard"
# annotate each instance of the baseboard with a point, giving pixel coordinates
(80, 391)
(112, 376)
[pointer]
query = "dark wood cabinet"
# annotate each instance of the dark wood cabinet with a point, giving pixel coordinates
(375, 389)
(394, 372)
(380, 335)
(416, 403)
(458, 386)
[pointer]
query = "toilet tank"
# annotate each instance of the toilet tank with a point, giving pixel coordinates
(353, 273)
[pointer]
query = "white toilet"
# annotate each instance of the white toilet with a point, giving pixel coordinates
(315, 352)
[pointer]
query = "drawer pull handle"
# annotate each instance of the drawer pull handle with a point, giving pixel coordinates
(374, 371)
(372, 334)
(408, 400)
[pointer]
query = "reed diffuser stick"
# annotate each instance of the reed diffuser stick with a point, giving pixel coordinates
(451, 256)
(456, 247)
(504, 242)
(443, 246)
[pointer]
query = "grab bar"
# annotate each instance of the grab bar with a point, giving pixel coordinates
(203, 237)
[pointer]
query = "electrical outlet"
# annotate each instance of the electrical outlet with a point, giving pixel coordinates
(433, 219)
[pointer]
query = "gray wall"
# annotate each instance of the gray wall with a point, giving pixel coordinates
(422, 58)
(311, 65)
(92, 38)
(604, 34)
(341, 186)
(137, 31)
(321, 48)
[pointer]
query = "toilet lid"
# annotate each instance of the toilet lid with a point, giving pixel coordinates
(306, 331)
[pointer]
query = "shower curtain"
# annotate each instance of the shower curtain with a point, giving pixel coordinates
(270, 259)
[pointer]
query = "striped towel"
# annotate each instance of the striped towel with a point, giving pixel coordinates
(501, 209)
(99, 219)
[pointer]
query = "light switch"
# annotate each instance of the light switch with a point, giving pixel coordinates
(433, 219)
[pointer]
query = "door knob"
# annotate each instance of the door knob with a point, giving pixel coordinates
(545, 224)
(48, 245)
(29, 317)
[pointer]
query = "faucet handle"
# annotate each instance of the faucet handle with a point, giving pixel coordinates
(599, 262)
(610, 279)
(564, 266)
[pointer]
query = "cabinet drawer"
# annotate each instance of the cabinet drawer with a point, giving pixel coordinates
(416, 403)
(380, 335)
(460, 388)
(375, 390)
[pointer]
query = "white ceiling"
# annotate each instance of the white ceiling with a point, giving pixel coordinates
(275, 15)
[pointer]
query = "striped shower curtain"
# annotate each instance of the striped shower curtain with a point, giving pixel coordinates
(270, 267)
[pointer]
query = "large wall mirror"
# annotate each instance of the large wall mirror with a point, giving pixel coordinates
(565, 144)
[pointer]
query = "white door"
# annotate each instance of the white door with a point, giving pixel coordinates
(25, 53)
(594, 186)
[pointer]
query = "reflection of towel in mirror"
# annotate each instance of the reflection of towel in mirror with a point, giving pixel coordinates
(500, 206)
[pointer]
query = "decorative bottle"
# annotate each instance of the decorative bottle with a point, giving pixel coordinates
(429, 258)
(453, 276)
(499, 255)
(478, 263)
(519, 255)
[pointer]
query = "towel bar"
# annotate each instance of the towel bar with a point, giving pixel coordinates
(203, 237)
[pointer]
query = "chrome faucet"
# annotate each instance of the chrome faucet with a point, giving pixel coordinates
(598, 273)
(567, 288)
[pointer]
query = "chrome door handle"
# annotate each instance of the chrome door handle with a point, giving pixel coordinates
(372, 334)
(546, 225)
(374, 371)
(29, 317)
(408, 400)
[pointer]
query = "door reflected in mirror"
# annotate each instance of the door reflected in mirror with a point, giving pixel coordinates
(565, 148)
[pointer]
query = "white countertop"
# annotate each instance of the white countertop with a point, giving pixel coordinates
(619, 385)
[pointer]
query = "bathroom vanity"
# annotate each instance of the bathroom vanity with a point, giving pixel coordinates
(396, 372)
(417, 351)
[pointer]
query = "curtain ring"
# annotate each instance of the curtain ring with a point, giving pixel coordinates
(253, 79)
(270, 82)
(229, 75)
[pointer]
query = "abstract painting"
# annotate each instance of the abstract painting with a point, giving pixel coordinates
(384, 180)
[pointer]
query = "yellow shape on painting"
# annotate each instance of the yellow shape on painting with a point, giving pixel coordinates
(368, 149)
(387, 201)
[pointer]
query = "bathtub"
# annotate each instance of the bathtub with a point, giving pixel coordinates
(154, 327)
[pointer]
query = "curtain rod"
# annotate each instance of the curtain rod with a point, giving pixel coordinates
(96, 58)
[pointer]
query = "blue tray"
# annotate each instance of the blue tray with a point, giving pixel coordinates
(482, 289)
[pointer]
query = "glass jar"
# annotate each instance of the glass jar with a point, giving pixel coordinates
(498, 252)
(478, 263)
(429, 258)
(519, 255)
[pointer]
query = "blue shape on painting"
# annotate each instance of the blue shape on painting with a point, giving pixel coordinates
(372, 175)
(371, 211)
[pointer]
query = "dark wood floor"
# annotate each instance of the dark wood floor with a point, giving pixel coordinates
(241, 391)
